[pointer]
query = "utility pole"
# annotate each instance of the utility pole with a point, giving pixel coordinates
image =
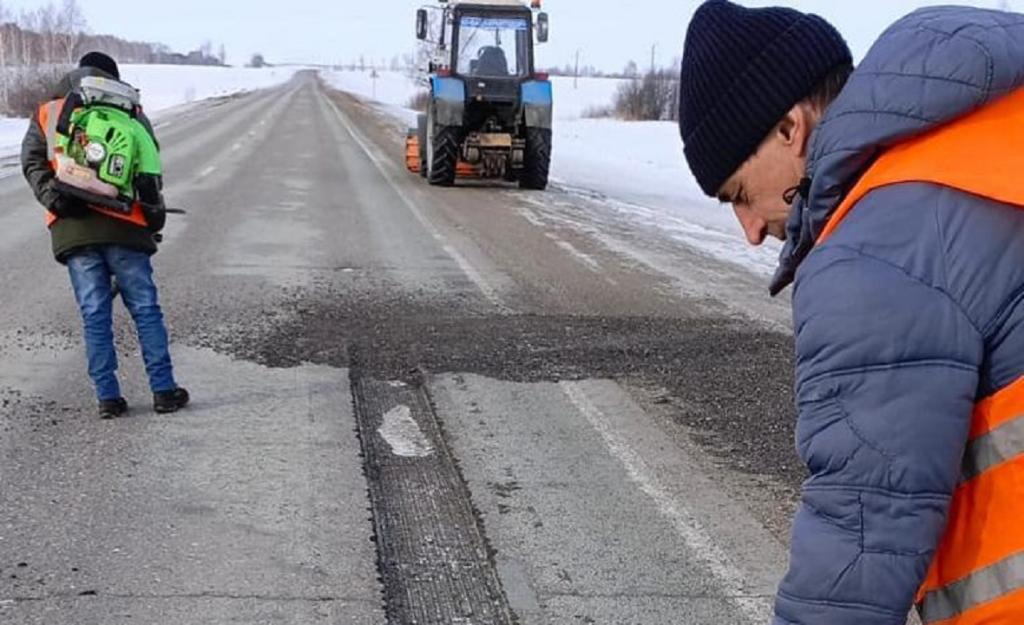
(576, 74)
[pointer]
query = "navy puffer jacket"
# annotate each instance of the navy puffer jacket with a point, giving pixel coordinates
(911, 312)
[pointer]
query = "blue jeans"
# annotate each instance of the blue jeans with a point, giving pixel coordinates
(92, 270)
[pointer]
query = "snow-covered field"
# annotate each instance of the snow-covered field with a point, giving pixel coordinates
(636, 168)
(11, 133)
(166, 86)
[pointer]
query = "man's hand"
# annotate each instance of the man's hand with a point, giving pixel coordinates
(66, 207)
(156, 217)
(152, 200)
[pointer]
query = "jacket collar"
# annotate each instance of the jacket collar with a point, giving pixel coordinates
(927, 69)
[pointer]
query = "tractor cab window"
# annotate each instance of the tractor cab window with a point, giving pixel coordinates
(493, 47)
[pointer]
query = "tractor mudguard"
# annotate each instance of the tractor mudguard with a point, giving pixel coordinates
(449, 101)
(538, 103)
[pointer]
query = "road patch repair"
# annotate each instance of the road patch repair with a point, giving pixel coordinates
(433, 558)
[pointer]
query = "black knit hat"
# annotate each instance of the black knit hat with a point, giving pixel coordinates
(102, 62)
(743, 69)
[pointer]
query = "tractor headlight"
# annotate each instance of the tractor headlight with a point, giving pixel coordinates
(95, 153)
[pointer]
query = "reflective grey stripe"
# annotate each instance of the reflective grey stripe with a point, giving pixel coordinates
(998, 446)
(986, 585)
(51, 129)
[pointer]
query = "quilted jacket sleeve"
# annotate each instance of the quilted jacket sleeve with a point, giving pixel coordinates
(35, 165)
(887, 376)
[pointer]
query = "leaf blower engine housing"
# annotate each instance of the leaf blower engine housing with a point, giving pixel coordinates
(101, 145)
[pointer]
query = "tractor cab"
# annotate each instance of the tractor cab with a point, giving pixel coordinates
(493, 51)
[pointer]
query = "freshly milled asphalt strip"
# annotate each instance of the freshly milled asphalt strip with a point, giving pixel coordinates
(434, 561)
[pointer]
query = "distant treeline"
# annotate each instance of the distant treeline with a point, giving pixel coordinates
(37, 47)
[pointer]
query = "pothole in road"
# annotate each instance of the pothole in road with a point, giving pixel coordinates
(729, 382)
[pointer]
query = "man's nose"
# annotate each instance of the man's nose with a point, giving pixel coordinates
(753, 226)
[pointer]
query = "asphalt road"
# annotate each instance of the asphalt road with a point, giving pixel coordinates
(412, 405)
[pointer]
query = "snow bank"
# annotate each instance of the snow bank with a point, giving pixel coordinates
(573, 99)
(167, 86)
(392, 88)
(638, 168)
(11, 133)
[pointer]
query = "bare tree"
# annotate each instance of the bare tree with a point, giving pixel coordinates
(206, 50)
(29, 22)
(48, 22)
(650, 98)
(5, 41)
(70, 28)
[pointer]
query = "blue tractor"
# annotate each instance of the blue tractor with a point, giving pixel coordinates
(489, 113)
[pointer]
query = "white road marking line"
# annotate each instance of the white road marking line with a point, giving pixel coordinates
(730, 577)
(206, 172)
(583, 257)
(404, 435)
(530, 216)
(236, 147)
(488, 291)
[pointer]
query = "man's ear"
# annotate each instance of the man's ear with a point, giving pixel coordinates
(795, 128)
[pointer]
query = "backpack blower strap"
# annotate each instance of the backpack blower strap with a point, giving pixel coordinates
(71, 102)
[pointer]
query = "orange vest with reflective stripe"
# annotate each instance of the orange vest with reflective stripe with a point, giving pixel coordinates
(48, 116)
(977, 575)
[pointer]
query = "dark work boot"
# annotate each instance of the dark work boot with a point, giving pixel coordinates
(111, 408)
(170, 401)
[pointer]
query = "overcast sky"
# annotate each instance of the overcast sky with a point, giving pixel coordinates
(607, 32)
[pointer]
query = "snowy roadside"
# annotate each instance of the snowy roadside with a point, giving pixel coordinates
(166, 87)
(636, 169)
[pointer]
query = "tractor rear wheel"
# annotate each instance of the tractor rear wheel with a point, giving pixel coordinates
(443, 156)
(537, 160)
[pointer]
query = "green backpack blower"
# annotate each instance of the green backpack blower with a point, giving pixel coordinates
(105, 155)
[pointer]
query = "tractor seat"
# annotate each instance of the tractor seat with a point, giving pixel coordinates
(491, 61)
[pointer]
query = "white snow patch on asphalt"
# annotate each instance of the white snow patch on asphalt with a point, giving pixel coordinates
(637, 169)
(404, 435)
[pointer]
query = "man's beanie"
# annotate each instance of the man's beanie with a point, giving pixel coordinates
(743, 70)
(102, 62)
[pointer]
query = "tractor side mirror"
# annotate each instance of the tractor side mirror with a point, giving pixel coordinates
(542, 27)
(421, 24)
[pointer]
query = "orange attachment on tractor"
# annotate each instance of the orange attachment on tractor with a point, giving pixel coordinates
(412, 153)
(413, 161)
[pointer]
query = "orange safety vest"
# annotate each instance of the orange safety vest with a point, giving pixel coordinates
(977, 575)
(48, 116)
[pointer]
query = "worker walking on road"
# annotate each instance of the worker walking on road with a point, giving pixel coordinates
(100, 245)
(896, 188)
